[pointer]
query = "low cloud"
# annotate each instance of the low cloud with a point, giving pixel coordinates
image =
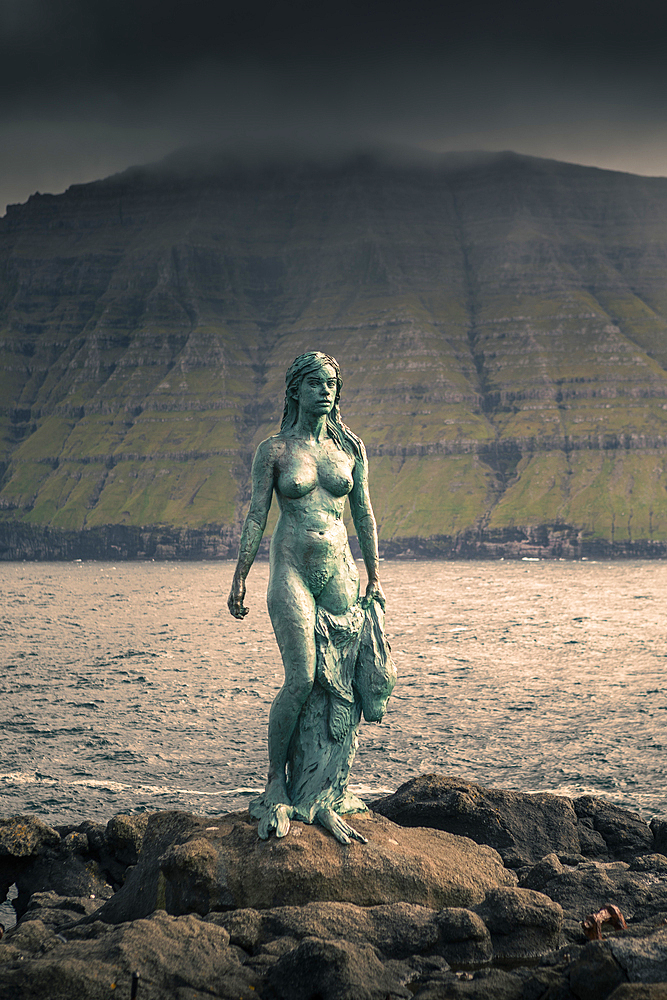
(93, 89)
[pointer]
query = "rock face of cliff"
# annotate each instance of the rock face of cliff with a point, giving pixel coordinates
(501, 322)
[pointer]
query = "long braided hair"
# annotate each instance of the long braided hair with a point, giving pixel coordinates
(337, 430)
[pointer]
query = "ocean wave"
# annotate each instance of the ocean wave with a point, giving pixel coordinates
(34, 778)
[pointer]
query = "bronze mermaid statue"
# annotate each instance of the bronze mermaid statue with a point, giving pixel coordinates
(336, 658)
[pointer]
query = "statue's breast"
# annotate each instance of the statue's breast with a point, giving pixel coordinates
(297, 479)
(300, 472)
(335, 477)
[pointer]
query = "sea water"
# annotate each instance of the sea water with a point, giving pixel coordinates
(129, 687)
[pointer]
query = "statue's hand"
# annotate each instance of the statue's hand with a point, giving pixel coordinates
(235, 600)
(374, 592)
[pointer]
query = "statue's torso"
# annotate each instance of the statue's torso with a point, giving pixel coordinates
(311, 481)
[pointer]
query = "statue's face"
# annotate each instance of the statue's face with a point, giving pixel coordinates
(317, 392)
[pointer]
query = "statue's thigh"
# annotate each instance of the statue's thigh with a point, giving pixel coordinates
(292, 610)
(342, 588)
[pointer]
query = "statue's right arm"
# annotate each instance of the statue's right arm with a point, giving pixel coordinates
(253, 528)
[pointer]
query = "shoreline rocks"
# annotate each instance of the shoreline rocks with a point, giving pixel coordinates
(522, 827)
(200, 907)
(195, 865)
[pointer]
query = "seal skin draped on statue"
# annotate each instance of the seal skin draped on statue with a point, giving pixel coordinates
(337, 660)
(355, 676)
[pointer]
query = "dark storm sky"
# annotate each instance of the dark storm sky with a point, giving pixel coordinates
(90, 87)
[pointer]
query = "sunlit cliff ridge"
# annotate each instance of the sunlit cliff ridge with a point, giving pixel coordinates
(501, 322)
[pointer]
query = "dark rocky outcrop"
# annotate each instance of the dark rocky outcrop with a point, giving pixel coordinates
(608, 831)
(342, 970)
(399, 930)
(37, 858)
(177, 957)
(202, 908)
(522, 923)
(522, 828)
(638, 892)
(659, 831)
(87, 860)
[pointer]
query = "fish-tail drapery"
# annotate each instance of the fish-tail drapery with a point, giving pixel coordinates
(355, 676)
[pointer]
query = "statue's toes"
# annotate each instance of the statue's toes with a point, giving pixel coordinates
(282, 818)
(356, 836)
(264, 827)
(340, 834)
(339, 828)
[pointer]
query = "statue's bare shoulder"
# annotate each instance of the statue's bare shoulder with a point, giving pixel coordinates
(270, 450)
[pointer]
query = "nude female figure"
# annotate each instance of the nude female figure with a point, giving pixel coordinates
(313, 464)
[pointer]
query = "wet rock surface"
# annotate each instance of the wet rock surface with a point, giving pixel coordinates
(199, 911)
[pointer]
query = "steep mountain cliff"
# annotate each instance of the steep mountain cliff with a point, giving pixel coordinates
(501, 323)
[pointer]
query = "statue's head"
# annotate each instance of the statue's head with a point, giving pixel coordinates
(303, 365)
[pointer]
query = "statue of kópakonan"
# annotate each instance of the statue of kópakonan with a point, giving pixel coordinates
(336, 658)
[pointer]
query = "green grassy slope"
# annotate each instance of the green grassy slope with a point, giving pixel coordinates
(501, 328)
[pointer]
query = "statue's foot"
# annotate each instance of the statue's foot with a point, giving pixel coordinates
(341, 830)
(273, 808)
(276, 817)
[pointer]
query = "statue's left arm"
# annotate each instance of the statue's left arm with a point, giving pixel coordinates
(364, 522)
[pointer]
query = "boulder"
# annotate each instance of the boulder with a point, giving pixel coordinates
(124, 836)
(623, 834)
(590, 885)
(541, 874)
(22, 840)
(644, 960)
(595, 973)
(523, 923)
(522, 828)
(337, 970)
(659, 831)
(605, 969)
(655, 863)
(26, 836)
(464, 938)
(174, 956)
(397, 930)
(194, 864)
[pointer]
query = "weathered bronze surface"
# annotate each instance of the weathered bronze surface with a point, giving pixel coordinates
(336, 658)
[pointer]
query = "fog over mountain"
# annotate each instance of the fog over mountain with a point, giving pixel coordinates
(500, 321)
(92, 88)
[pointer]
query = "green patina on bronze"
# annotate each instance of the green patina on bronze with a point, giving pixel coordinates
(336, 659)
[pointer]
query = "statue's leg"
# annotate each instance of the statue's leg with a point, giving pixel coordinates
(337, 597)
(292, 611)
